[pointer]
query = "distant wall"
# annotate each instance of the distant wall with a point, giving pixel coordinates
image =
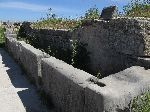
(50, 37)
(53, 42)
(114, 43)
(73, 90)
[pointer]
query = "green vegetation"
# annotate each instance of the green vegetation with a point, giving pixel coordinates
(141, 103)
(92, 13)
(54, 22)
(2, 37)
(137, 8)
(80, 56)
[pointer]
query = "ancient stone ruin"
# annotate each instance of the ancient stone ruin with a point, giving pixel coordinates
(119, 49)
(108, 13)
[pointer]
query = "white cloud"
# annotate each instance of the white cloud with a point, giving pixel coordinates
(34, 7)
(21, 5)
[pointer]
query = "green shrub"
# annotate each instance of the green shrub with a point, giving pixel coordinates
(2, 37)
(137, 8)
(80, 56)
(54, 22)
(92, 13)
(141, 103)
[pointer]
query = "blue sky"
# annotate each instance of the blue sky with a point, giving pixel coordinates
(21, 10)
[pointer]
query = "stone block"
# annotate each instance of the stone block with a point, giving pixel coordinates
(108, 12)
(28, 57)
(119, 91)
(64, 84)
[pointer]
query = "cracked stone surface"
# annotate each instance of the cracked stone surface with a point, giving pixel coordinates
(16, 93)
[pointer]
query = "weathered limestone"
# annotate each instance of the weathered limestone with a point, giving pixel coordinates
(27, 56)
(111, 45)
(47, 37)
(64, 84)
(110, 42)
(73, 90)
(120, 89)
(108, 12)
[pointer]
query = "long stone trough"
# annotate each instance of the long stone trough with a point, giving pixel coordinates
(73, 90)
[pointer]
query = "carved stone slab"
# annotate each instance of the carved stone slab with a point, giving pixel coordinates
(108, 12)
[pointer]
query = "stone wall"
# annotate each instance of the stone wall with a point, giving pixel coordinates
(73, 90)
(65, 85)
(49, 37)
(114, 43)
(28, 57)
(121, 44)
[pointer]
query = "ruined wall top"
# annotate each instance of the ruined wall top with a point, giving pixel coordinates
(121, 34)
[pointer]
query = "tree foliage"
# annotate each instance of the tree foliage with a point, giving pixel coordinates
(137, 8)
(52, 21)
(92, 13)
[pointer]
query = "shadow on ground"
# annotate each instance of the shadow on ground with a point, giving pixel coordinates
(27, 92)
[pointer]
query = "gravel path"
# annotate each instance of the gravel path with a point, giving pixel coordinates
(16, 93)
